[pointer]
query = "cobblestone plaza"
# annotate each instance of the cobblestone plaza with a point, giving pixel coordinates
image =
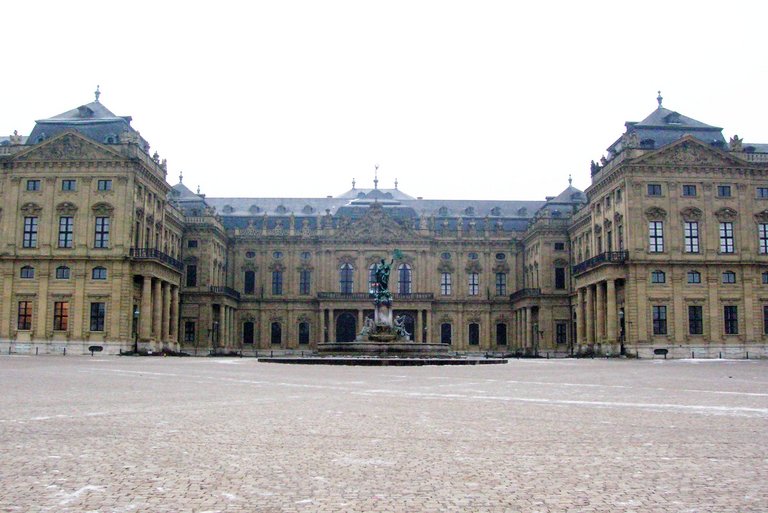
(111, 434)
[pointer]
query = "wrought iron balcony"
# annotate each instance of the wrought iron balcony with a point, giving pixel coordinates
(227, 291)
(357, 296)
(156, 254)
(609, 257)
(519, 294)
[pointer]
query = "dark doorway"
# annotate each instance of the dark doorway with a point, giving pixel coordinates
(474, 334)
(248, 333)
(276, 333)
(303, 333)
(346, 327)
(445, 333)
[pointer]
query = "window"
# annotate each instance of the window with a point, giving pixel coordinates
(445, 331)
(27, 272)
(474, 286)
(68, 185)
(765, 278)
(277, 282)
(473, 256)
(765, 319)
(762, 235)
(372, 279)
(560, 278)
(695, 320)
(694, 277)
(303, 333)
(191, 243)
(277, 255)
(689, 190)
(33, 185)
(346, 278)
(66, 224)
(609, 240)
(618, 195)
(658, 277)
(731, 319)
(97, 316)
(501, 256)
(24, 318)
(104, 185)
(762, 192)
(501, 284)
(191, 275)
(474, 334)
(305, 282)
(559, 246)
(404, 279)
(599, 240)
(607, 202)
(659, 320)
(249, 282)
(60, 316)
(445, 255)
(726, 238)
(561, 333)
(99, 273)
(729, 277)
(62, 272)
(691, 236)
(724, 191)
(501, 334)
(276, 333)
(189, 331)
(654, 189)
(445, 284)
(656, 236)
(248, 254)
(30, 232)
(620, 236)
(101, 237)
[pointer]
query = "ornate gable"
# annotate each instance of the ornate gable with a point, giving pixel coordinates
(67, 146)
(375, 227)
(690, 152)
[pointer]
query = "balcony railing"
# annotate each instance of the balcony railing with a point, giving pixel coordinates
(156, 254)
(365, 296)
(227, 291)
(519, 294)
(609, 257)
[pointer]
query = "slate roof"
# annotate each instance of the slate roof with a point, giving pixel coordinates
(375, 193)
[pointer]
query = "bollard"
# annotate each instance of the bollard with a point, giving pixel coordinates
(547, 355)
(37, 349)
(747, 355)
(271, 353)
(692, 356)
(65, 351)
(721, 355)
(9, 349)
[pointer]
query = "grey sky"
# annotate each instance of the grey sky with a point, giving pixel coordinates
(477, 100)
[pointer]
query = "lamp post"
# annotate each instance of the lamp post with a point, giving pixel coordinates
(136, 329)
(622, 350)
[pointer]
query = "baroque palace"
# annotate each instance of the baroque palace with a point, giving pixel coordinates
(666, 249)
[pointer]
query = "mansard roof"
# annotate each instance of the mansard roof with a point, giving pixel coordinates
(380, 194)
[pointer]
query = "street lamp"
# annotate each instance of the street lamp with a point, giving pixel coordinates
(136, 329)
(621, 334)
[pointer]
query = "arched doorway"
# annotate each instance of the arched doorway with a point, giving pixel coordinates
(346, 327)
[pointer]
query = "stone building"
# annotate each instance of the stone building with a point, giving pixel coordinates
(666, 249)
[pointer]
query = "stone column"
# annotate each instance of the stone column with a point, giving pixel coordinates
(174, 328)
(223, 327)
(322, 326)
(528, 327)
(166, 323)
(145, 324)
(612, 334)
(157, 309)
(589, 337)
(580, 325)
(428, 332)
(417, 327)
(359, 320)
(331, 326)
(600, 312)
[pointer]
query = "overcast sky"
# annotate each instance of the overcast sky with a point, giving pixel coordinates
(474, 99)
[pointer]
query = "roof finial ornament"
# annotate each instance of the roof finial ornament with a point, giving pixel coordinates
(376, 177)
(570, 180)
(395, 183)
(97, 93)
(659, 99)
(198, 189)
(353, 184)
(181, 176)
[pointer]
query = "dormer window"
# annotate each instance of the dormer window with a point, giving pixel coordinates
(254, 209)
(228, 209)
(648, 144)
(307, 209)
(673, 118)
(470, 211)
(442, 211)
(281, 209)
(522, 211)
(495, 211)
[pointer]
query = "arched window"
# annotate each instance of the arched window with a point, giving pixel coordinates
(27, 272)
(276, 333)
(303, 333)
(248, 332)
(474, 334)
(346, 278)
(658, 277)
(249, 286)
(62, 272)
(404, 279)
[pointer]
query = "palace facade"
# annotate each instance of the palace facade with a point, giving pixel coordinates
(666, 249)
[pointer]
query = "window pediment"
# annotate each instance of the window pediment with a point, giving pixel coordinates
(102, 209)
(726, 214)
(762, 217)
(655, 214)
(66, 208)
(691, 214)
(31, 209)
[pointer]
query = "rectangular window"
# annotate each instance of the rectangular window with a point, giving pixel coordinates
(724, 191)
(60, 315)
(30, 232)
(695, 320)
(68, 185)
(191, 243)
(659, 320)
(654, 189)
(191, 276)
(656, 236)
(762, 235)
(474, 285)
(249, 282)
(560, 278)
(620, 235)
(691, 236)
(24, 320)
(277, 283)
(101, 238)
(731, 319)
(599, 244)
(445, 333)
(501, 284)
(726, 238)
(305, 281)
(97, 316)
(762, 192)
(689, 190)
(765, 319)
(33, 185)
(66, 231)
(189, 331)
(609, 240)
(559, 246)
(105, 185)
(445, 284)
(561, 333)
